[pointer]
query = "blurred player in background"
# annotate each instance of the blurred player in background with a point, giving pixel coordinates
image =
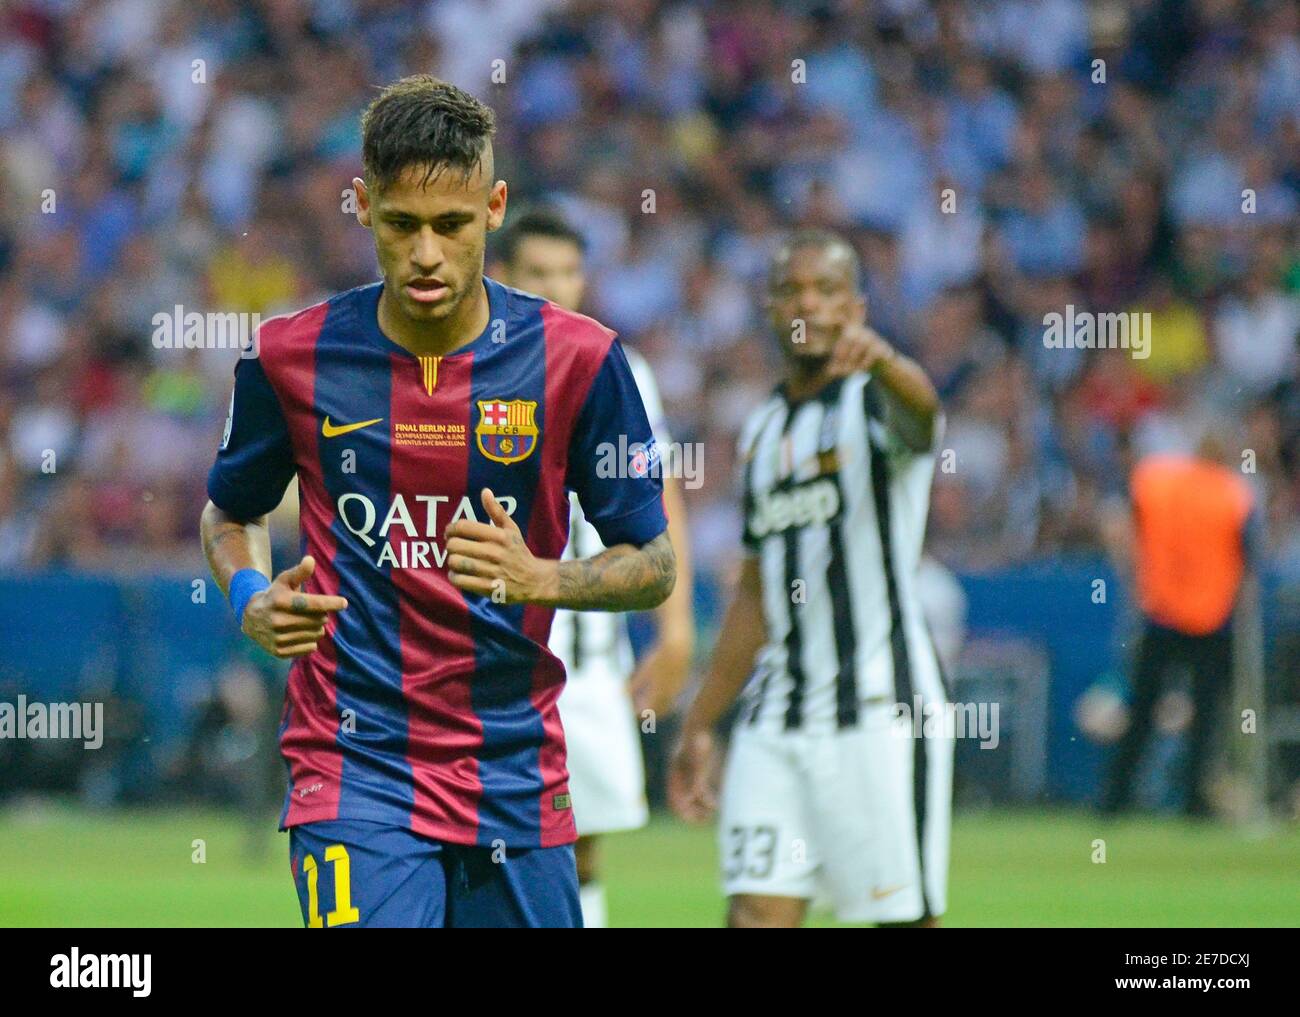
(541, 253)
(1189, 538)
(826, 790)
(436, 422)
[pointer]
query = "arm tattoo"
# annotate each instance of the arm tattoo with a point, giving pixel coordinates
(225, 532)
(621, 578)
(217, 529)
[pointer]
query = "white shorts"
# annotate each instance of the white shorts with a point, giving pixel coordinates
(606, 771)
(832, 818)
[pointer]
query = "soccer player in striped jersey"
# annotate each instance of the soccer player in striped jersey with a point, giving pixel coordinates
(436, 422)
(826, 793)
(543, 254)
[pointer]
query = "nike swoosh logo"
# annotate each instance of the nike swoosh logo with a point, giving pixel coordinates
(333, 431)
(878, 894)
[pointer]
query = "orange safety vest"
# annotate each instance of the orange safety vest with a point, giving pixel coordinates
(1190, 516)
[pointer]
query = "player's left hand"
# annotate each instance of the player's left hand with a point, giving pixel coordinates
(494, 560)
(693, 775)
(860, 348)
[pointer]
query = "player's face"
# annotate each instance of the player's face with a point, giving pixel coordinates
(430, 237)
(551, 267)
(811, 299)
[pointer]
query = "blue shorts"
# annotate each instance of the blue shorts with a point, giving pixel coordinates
(353, 874)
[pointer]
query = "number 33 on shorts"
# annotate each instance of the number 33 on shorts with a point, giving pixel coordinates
(751, 852)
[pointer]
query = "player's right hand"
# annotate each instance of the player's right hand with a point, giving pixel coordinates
(693, 776)
(285, 621)
(859, 348)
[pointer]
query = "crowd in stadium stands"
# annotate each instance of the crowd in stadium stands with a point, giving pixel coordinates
(198, 155)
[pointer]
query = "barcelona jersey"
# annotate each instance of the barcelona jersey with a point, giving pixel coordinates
(423, 706)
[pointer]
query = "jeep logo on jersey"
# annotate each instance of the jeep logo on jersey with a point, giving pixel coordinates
(814, 503)
(507, 431)
(419, 522)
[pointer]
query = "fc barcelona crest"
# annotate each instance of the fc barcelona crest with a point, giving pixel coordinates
(507, 429)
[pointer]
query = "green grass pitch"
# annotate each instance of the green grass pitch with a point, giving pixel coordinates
(71, 868)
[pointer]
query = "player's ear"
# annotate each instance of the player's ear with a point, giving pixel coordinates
(496, 213)
(363, 201)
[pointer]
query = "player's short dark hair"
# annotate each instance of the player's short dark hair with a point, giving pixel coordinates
(537, 222)
(424, 122)
(824, 240)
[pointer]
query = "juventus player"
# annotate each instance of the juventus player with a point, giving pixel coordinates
(543, 254)
(825, 790)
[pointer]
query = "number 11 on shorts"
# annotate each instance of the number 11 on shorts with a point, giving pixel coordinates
(344, 913)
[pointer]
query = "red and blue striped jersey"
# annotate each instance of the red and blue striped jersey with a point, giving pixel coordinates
(423, 706)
